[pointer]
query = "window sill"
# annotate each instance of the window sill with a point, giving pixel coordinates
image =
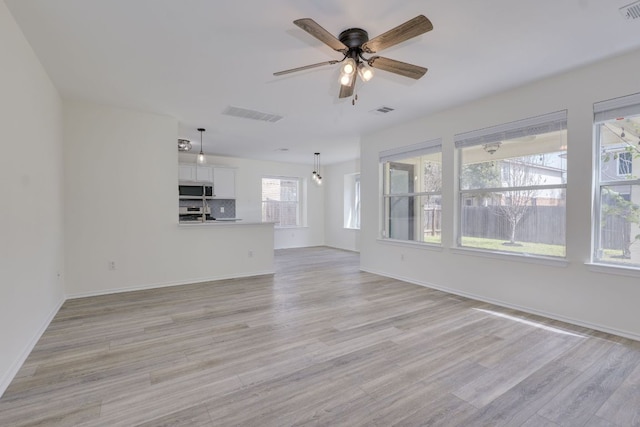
(412, 244)
(351, 228)
(288, 227)
(620, 270)
(532, 259)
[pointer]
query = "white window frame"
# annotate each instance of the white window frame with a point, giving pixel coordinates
(400, 153)
(352, 201)
(602, 112)
(298, 202)
(496, 134)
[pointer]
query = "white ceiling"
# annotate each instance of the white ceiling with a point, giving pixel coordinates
(193, 58)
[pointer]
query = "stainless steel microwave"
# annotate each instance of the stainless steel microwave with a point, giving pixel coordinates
(195, 191)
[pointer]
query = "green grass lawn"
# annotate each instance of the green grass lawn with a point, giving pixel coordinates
(528, 248)
(432, 239)
(614, 256)
(609, 255)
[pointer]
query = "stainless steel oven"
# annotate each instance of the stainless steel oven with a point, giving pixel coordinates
(194, 213)
(194, 210)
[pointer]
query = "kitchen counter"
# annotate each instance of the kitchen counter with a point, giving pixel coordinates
(223, 222)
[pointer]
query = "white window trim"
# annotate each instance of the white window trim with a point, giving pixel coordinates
(352, 178)
(614, 108)
(530, 126)
(408, 151)
(604, 111)
(512, 256)
(618, 269)
(411, 244)
(519, 128)
(398, 153)
(301, 202)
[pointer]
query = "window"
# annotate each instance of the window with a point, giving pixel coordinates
(412, 192)
(281, 201)
(617, 190)
(352, 201)
(625, 163)
(512, 180)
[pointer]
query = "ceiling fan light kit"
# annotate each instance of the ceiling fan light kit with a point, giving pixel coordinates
(492, 147)
(348, 66)
(354, 42)
(365, 72)
(184, 145)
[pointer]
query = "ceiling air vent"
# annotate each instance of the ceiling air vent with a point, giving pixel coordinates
(251, 114)
(382, 110)
(631, 11)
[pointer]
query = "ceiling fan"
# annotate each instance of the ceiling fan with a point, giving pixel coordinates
(353, 43)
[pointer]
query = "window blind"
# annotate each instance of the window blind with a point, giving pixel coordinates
(616, 108)
(518, 129)
(408, 151)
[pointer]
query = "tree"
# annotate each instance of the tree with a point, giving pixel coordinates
(615, 205)
(520, 174)
(432, 177)
(480, 175)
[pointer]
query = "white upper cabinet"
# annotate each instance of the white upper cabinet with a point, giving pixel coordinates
(195, 173)
(224, 182)
(204, 174)
(186, 172)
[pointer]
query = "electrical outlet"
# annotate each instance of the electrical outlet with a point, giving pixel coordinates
(401, 257)
(112, 265)
(221, 209)
(250, 254)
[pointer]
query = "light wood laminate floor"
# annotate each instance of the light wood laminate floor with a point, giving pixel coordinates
(318, 344)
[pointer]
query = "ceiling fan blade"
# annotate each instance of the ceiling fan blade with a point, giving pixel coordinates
(313, 28)
(393, 66)
(306, 67)
(347, 91)
(412, 28)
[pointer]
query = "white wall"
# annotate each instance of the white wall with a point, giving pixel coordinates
(333, 181)
(574, 292)
(31, 230)
(249, 196)
(121, 193)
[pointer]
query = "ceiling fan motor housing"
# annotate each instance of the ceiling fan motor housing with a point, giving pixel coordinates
(353, 38)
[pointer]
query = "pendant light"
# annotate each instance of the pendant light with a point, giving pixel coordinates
(201, 160)
(316, 169)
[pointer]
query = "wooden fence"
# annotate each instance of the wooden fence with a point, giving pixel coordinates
(540, 224)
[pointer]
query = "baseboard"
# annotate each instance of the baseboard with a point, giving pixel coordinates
(554, 316)
(167, 284)
(343, 249)
(9, 375)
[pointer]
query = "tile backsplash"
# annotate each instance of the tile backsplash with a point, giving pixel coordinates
(228, 205)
